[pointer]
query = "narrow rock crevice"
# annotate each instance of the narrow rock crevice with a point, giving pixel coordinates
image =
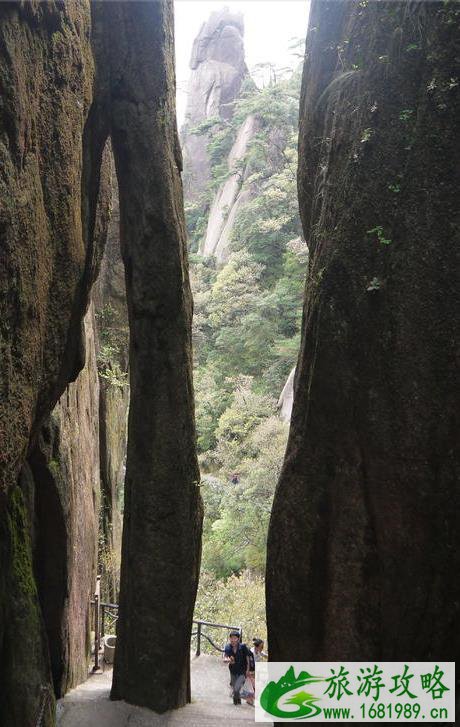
(50, 560)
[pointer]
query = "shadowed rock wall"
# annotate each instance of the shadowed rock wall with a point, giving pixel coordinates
(65, 468)
(49, 255)
(162, 516)
(47, 74)
(62, 98)
(363, 549)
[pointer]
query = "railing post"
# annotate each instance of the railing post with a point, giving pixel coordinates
(102, 622)
(198, 638)
(97, 636)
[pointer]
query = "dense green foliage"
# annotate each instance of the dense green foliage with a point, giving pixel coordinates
(239, 601)
(246, 330)
(112, 353)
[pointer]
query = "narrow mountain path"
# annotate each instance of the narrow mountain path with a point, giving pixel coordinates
(89, 705)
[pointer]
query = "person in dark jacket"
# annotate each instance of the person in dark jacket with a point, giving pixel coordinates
(237, 656)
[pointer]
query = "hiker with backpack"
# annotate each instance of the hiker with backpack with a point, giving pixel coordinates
(238, 657)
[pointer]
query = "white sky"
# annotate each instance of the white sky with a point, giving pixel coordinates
(269, 26)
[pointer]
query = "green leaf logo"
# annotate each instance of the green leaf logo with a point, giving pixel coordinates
(305, 702)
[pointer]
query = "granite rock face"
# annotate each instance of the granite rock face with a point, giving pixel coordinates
(230, 197)
(162, 514)
(113, 427)
(286, 398)
(73, 74)
(49, 257)
(42, 129)
(218, 73)
(218, 70)
(363, 547)
(65, 470)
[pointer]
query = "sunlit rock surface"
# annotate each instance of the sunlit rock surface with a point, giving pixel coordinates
(112, 325)
(218, 70)
(229, 198)
(286, 398)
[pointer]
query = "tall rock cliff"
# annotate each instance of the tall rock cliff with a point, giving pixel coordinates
(217, 80)
(231, 196)
(218, 70)
(64, 466)
(49, 257)
(286, 398)
(162, 515)
(363, 550)
(73, 74)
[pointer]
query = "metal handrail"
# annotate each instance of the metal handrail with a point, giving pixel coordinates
(107, 605)
(102, 608)
(199, 633)
(219, 626)
(218, 648)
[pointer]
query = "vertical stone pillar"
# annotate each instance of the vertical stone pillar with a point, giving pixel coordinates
(162, 515)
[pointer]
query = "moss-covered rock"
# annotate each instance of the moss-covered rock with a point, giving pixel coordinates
(51, 245)
(24, 670)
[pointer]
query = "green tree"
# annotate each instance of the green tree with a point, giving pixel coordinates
(246, 336)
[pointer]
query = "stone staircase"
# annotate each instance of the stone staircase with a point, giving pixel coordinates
(89, 705)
